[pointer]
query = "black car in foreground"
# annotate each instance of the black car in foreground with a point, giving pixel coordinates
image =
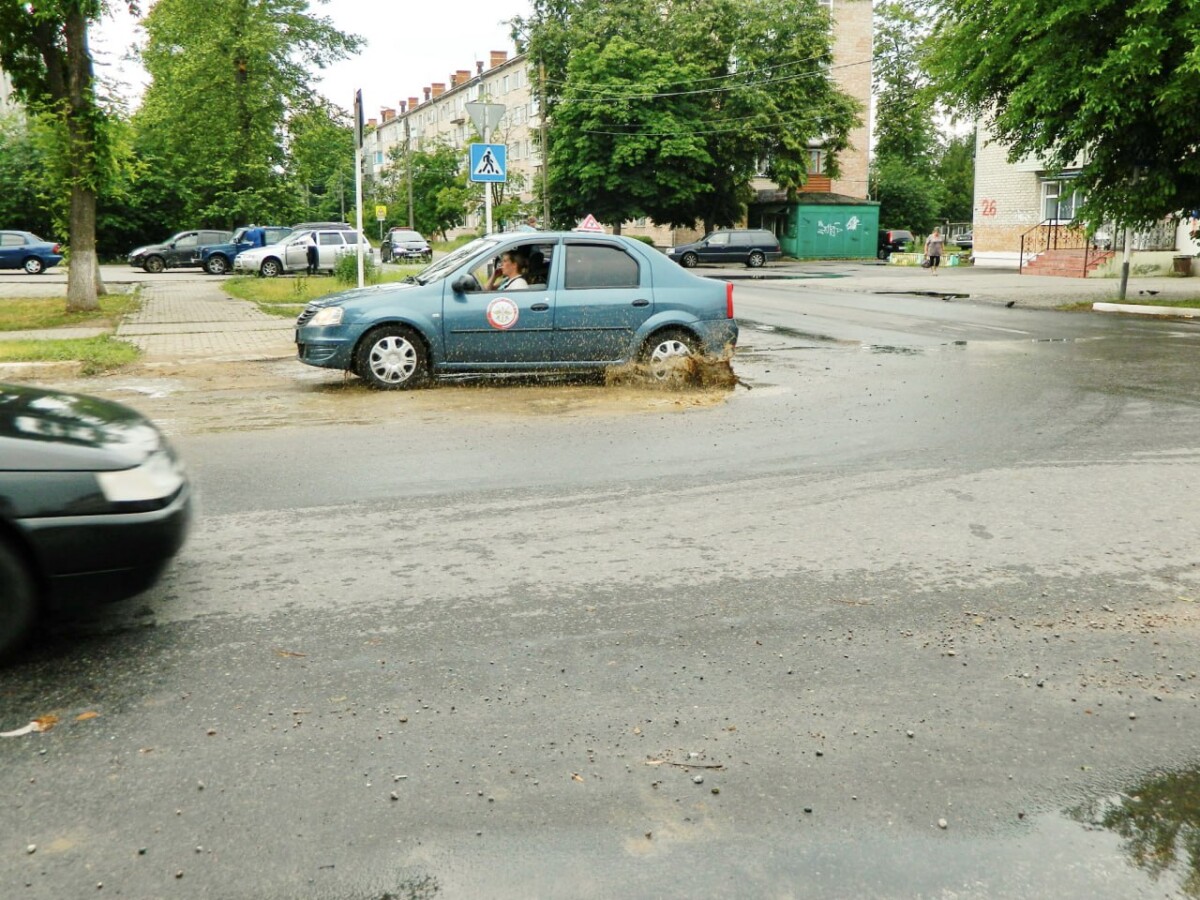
(93, 504)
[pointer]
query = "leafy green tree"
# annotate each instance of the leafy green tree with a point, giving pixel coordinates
(23, 203)
(666, 110)
(904, 123)
(226, 75)
(955, 170)
(1112, 83)
(320, 165)
(44, 50)
(907, 198)
(441, 192)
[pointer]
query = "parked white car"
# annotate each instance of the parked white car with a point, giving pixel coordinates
(291, 254)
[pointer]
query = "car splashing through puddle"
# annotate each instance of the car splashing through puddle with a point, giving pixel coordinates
(213, 396)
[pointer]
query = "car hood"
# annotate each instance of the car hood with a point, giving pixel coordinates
(365, 297)
(141, 251)
(679, 248)
(42, 431)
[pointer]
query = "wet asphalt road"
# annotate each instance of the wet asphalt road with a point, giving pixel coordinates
(912, 614)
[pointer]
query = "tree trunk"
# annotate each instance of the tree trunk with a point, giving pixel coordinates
(84, 284)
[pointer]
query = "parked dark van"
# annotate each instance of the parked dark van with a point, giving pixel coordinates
(893, 241)
(750, 246)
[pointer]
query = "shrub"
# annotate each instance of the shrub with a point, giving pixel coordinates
(346, 270)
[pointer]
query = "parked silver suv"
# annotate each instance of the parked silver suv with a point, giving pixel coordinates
(291, 254)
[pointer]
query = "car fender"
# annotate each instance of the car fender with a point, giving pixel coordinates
(426, 326)
(668, 318)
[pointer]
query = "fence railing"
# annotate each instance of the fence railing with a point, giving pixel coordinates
(1051, 235)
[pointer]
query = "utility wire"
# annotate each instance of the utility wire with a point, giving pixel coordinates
(734, 74)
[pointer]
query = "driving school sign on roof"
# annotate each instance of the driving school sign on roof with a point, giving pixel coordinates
(589, 223)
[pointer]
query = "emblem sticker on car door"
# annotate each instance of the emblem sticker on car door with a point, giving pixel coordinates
(502, 313)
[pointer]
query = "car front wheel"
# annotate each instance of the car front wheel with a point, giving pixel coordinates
(663, 350)
(689, 260)
(216, 265)
(392, 358)
(154, 264)
(34, 266)
(270, 268)
(756, 259)
(17, 608)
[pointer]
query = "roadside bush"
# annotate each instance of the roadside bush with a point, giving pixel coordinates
(346, 270)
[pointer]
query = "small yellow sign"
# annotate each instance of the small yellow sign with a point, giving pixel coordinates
(381, 213)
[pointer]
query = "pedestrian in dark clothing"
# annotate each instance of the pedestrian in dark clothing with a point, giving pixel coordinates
(314, 258)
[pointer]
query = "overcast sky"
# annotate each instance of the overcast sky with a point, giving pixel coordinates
(409, 45)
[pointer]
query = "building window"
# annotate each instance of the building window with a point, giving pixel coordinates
(816, 162)
(507, 83)
(1060, 200)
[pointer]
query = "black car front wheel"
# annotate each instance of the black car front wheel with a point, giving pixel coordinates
(17, 600)
(154, 264)
(392, 358)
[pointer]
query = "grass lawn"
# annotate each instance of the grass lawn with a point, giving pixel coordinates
(30, 313)
(95, 355)
(286, 297)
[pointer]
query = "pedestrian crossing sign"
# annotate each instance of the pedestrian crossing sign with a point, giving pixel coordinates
(489, 163)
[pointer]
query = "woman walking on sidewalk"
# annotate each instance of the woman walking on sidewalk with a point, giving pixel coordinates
(933, 249)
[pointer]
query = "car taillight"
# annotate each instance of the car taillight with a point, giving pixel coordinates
(729, 299)
(55, 250)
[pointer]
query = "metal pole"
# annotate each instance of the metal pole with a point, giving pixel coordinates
(1125, 265)
(487, 192)
(408, 169)
(545, 150)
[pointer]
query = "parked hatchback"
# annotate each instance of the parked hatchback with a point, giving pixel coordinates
(93, 504)
(749, 246)
(589, 302)
(27, 251)
(404, 244)
(179, 251)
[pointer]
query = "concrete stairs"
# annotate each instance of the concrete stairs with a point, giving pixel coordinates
(1067, 263)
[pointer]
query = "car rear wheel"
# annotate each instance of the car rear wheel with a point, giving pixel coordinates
(689, 260)
(17, 601)
(154, 264)
(270, 268)
(756, 259)
(216, 265)
(392, 358)
(34, 266)
(663, 350)
(882, 254)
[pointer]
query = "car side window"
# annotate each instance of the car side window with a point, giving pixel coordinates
(596, 266)
(11, 240)
(329, 237)
(720, 239)
(188, 240)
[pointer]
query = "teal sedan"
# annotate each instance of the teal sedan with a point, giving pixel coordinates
(585, 302)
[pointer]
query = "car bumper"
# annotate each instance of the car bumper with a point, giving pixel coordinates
(328, 348)
(101, 558)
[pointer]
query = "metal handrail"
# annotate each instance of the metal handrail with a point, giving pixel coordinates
(1055, 235)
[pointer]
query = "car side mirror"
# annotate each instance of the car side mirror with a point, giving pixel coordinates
(464, 284)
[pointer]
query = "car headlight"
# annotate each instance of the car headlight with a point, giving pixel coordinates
(330, 315)
(155, 481)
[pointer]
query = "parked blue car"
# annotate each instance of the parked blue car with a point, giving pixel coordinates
(592, 301)
(22, 250)
(217, 259)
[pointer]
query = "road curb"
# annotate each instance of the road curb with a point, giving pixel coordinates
(1181, 312)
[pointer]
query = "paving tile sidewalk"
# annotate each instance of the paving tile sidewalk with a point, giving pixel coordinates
(197, 320)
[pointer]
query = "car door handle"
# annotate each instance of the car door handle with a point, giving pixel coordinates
(641, 302)
(540, 307)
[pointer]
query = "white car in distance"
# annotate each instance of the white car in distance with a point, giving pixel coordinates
(291, 254)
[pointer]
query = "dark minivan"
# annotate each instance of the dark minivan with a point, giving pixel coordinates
(893, 241)
(750, 246)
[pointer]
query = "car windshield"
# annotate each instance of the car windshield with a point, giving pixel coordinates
(451, 261)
